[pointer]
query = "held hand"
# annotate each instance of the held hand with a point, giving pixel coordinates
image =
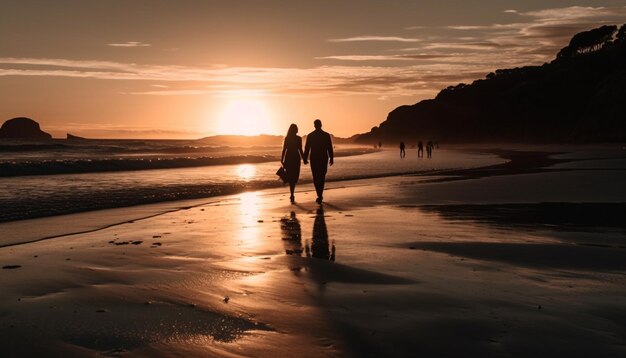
(305, 161)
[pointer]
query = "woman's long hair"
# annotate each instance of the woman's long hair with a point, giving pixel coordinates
(292, 131)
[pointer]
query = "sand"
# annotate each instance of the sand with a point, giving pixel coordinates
(522, 259)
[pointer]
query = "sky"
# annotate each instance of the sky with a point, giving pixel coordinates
(194, 68)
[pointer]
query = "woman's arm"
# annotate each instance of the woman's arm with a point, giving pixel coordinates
(282, 155)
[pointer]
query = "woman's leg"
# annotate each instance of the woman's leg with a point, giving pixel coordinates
(292, 188)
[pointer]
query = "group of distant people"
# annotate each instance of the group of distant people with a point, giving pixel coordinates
(430, 145)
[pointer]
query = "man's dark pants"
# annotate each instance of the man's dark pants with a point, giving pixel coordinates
(319, 169)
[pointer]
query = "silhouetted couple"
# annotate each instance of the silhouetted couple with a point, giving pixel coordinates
(320, 147)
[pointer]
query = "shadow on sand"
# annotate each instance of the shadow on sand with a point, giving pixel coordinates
(589, 219)
(556, 216)
(567, 256)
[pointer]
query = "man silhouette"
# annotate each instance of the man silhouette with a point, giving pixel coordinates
(320, 146)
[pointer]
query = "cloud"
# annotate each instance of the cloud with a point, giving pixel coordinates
(179, 92)
(422, 69)
(467, 27)
(574, 12)
(366, 58)
(129, 44)
(487, 27)
(536, 36)
(228, 81)
(375, 38)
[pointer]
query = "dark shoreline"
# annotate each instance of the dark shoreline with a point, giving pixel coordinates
(518, 162)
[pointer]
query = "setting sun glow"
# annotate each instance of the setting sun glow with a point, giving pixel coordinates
(245, 117)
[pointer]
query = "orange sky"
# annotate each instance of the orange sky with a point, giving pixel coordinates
(187, 69)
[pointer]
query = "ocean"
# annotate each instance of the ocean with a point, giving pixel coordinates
(62, 177)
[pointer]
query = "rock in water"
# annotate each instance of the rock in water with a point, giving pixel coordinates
(23, 128)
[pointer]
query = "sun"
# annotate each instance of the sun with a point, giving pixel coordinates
(245, 117)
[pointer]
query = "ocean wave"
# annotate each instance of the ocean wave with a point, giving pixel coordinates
(32, 147)
(28, 167)
(77, 166)
(113, 149)
(81, 201)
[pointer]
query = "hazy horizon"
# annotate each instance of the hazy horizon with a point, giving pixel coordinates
(191, 69)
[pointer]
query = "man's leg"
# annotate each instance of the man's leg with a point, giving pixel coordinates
(319, 177)
(316, 181)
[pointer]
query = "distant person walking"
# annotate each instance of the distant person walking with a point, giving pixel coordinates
(291, 158)
(320, 146)
(420, 149)
(402, 151)
(429, 149)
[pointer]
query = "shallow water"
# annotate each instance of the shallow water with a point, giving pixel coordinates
(46, 195)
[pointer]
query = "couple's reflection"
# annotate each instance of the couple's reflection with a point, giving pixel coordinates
(320, 247)
(291, 234)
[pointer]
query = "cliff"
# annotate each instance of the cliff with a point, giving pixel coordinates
(577, 97)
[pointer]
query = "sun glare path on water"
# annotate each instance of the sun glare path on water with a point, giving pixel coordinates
(246, 171)
(245, 117)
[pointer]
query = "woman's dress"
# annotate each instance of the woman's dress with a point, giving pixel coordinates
(293, 147)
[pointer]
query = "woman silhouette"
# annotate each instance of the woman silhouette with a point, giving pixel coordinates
(291, 158)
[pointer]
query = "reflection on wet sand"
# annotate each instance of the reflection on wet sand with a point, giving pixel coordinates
(291, 233)
(250, 207)
(320, 256)
(320, 248)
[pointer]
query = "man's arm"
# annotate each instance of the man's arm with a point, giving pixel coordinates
(331, 153)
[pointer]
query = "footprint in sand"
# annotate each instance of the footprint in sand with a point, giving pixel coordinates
(11, 267)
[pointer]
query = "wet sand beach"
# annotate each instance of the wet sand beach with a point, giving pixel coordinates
(526, 258)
